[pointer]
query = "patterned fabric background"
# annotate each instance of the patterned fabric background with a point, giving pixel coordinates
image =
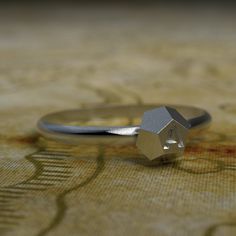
(53, 59)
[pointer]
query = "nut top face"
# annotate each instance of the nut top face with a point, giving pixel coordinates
(163, 131)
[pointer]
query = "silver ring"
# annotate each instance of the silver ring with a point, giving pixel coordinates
(162, 131)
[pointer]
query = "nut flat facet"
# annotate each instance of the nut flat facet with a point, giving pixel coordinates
(162, 132)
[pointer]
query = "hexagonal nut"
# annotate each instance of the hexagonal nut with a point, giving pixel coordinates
(162, 132)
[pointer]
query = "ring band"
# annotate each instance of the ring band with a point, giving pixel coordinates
(72, 125)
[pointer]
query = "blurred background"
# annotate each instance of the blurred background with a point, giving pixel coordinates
(59, 55)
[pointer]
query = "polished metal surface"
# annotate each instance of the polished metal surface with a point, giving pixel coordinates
(163, 131)
(121, 124)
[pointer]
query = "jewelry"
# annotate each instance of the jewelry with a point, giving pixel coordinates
(163, 130)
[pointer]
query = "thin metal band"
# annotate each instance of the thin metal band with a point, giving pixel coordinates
(71, 125)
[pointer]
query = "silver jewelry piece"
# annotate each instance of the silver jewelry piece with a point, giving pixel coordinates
(163, 130)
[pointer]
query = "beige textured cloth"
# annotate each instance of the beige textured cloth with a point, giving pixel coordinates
(62, 58)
